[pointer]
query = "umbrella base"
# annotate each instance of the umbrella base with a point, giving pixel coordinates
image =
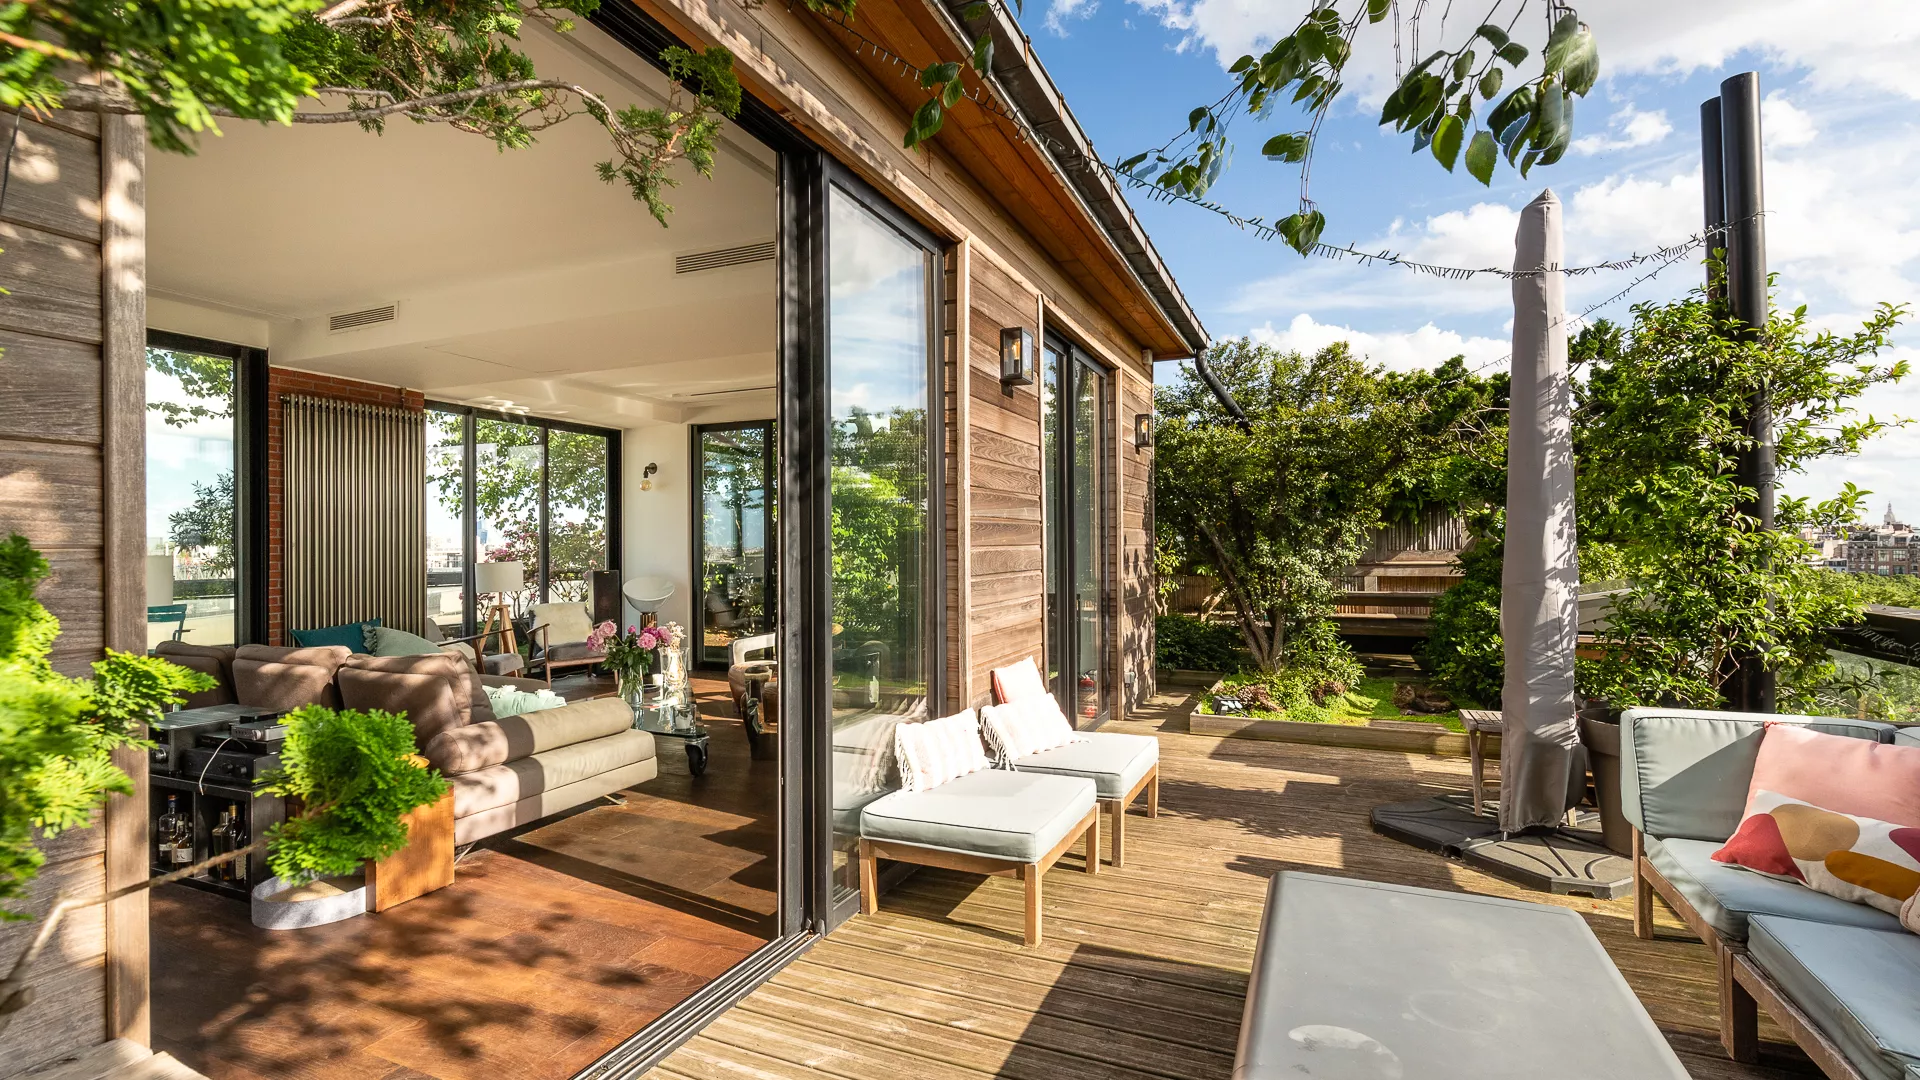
(1567, 861)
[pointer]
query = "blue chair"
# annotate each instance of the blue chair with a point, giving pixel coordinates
(169, 613)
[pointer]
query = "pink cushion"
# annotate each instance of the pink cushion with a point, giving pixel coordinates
(1847, 776)
(1017, 681)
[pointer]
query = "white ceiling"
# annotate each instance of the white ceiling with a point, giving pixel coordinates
(518, 276)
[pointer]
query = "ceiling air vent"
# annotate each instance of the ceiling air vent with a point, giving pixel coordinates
(360, 320)
(695, 261)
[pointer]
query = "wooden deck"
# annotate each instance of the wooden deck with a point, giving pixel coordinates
(1144, 968)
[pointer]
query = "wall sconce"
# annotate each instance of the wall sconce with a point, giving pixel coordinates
(646, 476)
(1142, 430)
(1016, 356)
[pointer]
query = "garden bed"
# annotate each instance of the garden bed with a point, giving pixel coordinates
(1345, 720)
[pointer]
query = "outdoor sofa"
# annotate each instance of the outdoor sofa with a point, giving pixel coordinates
(1840, 977)
(505, 771)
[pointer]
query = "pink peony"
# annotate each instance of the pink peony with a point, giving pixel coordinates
(648, 639)
(597, 640)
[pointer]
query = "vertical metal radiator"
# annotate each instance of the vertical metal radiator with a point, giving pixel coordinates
(354, 531)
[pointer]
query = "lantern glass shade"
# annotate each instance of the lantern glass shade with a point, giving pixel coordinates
(1143, 429)
(1016, 356)
(499, 577)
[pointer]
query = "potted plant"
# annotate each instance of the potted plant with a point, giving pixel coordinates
(631, 655)
(352, 775)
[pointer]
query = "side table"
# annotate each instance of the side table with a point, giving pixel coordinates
(1480, 723)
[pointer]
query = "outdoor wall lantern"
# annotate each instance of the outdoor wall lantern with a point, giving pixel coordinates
(1142, 430)
(1016, 356)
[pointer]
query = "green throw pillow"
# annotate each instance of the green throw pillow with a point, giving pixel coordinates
(388, 641)
(351, 634)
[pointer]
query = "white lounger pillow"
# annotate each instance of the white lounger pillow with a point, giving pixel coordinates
(936, 751)
(1026, 726)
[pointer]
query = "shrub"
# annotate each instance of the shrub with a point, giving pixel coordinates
(1183, 641)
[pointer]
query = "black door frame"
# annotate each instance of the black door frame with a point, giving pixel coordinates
(1062, 624)
(769, 539)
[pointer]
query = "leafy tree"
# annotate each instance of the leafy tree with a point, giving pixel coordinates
(1278, 509)
(1658, 504)
(186, 64)
(507, 470)
(880, 490)
(1438, 100)
(207, 380)
(205, 526)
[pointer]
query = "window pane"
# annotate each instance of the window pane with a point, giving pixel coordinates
(576, 513)
(736, 587)
(1053, 498)
(191, 509)
(506, 494)
(879, 343)
(446, 513)
(1090, 684)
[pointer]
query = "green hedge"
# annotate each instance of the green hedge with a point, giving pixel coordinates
(1182, 641)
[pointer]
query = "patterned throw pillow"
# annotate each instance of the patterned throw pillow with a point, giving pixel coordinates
(1026, 725)
(936, 751)
(1854, 858)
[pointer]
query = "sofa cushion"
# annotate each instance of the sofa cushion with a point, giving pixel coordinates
(1907, 736)
(1112, 760)
(435, 690)
(1858, 859)
(1857, 985)
(565, 622)
(213, 661)
(393, 641)
(1685, 772)
(512, 781)
(487, 743)
(933, 752)
(350, 635)
(275, 678)
(1726, 896)
(1846, 776)
(1018, 816)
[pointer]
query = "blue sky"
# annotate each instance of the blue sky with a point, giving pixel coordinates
(1843, 151)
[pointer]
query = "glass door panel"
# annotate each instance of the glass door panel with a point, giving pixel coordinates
(880, 350)
(576, 513)
(506, 501)
(1087, 534)
(446, 521)
(192, 557)
(1053, 494)
(735, 568)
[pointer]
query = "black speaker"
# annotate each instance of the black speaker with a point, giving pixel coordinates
(606, 597)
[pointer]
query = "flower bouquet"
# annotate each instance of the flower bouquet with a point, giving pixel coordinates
(632, 655)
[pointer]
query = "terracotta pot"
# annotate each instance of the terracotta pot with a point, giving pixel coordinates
(1602, 739)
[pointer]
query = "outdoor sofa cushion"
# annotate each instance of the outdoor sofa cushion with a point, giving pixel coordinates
(1112, 760)
(1858, 986)
(1907, 736)
(1726, 896)
(1845, 776)
(1019, 816)
(933, 752)
(1858, 859)
(274, 678)
(495, 742)
(1685, 772)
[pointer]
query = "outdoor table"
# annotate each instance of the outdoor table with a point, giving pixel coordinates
(1358, 979)
(1480, 724)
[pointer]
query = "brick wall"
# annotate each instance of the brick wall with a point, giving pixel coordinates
(282, 381)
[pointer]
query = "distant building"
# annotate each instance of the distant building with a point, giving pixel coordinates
(1887, 549)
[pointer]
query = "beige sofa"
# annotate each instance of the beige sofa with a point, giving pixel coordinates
(505, 771)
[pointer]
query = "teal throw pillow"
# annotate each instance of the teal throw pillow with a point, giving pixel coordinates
(389, 641)
(352, 634)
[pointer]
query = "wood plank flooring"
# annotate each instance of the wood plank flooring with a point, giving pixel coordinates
(1144, 969)
(553, 944)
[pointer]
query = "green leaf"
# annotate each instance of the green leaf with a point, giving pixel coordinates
(939, 73)
(983, 54)
(1513, 53)
(1581, 63)
(1490, 84)
(1559, 43)
(1194, 118)
(950, 95)
(1378, 9)
(1549, 117)
(1425, 64)
(1446, 141)
(1428, 91)
(1526, 163)
(1292, 147)
(1481, 155)
(1241, 65)
(1495, 36)
(1310, 40)
(1462, 64)
(976, 11)
(1128, 165)
(1302, 231)
(925, 123)
(1513, 107)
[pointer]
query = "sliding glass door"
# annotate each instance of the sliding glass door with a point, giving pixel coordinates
(734, 568)
(1074, 408)
(881, 358)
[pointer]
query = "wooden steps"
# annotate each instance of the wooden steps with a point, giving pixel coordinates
(121, 1059)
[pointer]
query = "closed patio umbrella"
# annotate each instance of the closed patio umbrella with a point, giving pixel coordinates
(1539, 581)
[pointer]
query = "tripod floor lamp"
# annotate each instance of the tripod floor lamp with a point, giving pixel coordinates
(499, 579)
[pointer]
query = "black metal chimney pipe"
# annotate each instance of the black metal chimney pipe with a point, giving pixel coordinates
(1712, 187)
(1746, 285)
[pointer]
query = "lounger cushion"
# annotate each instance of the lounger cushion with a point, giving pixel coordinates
(1113, 761)
(1858, 986)
(1018, 816)
(1726, 895)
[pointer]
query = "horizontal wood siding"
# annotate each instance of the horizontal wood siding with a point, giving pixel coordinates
(51, 491)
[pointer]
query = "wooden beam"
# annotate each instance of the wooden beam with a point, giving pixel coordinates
(963, 454)
(123, 365)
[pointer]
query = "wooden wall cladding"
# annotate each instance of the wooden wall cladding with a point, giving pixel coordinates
(53, 492)
(1137, 580)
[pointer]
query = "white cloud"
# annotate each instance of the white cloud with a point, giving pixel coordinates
(1427, 347)
(1063, 11)
(1630, 128)
(1782, 123)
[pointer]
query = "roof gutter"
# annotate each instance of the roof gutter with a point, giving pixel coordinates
(1030, 90)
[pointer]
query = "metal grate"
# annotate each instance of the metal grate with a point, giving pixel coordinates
(695, 261)
(355, 320)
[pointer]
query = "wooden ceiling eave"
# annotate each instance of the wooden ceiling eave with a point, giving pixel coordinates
(1012, 173)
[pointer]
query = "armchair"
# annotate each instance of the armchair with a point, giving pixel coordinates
(559, 634)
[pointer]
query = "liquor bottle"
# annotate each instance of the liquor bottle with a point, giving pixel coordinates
(236, 871)
(167, 834)
(217, 846)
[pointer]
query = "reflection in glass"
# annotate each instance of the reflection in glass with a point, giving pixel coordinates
(879, 349)
(1053, 495)
(1072, 443)
(191, 505)
(576, 513)
(736, 530)
(1090, 684)
(506, 500)
(446, 500)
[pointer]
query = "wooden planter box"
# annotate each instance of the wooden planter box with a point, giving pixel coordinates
(1440, 741)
